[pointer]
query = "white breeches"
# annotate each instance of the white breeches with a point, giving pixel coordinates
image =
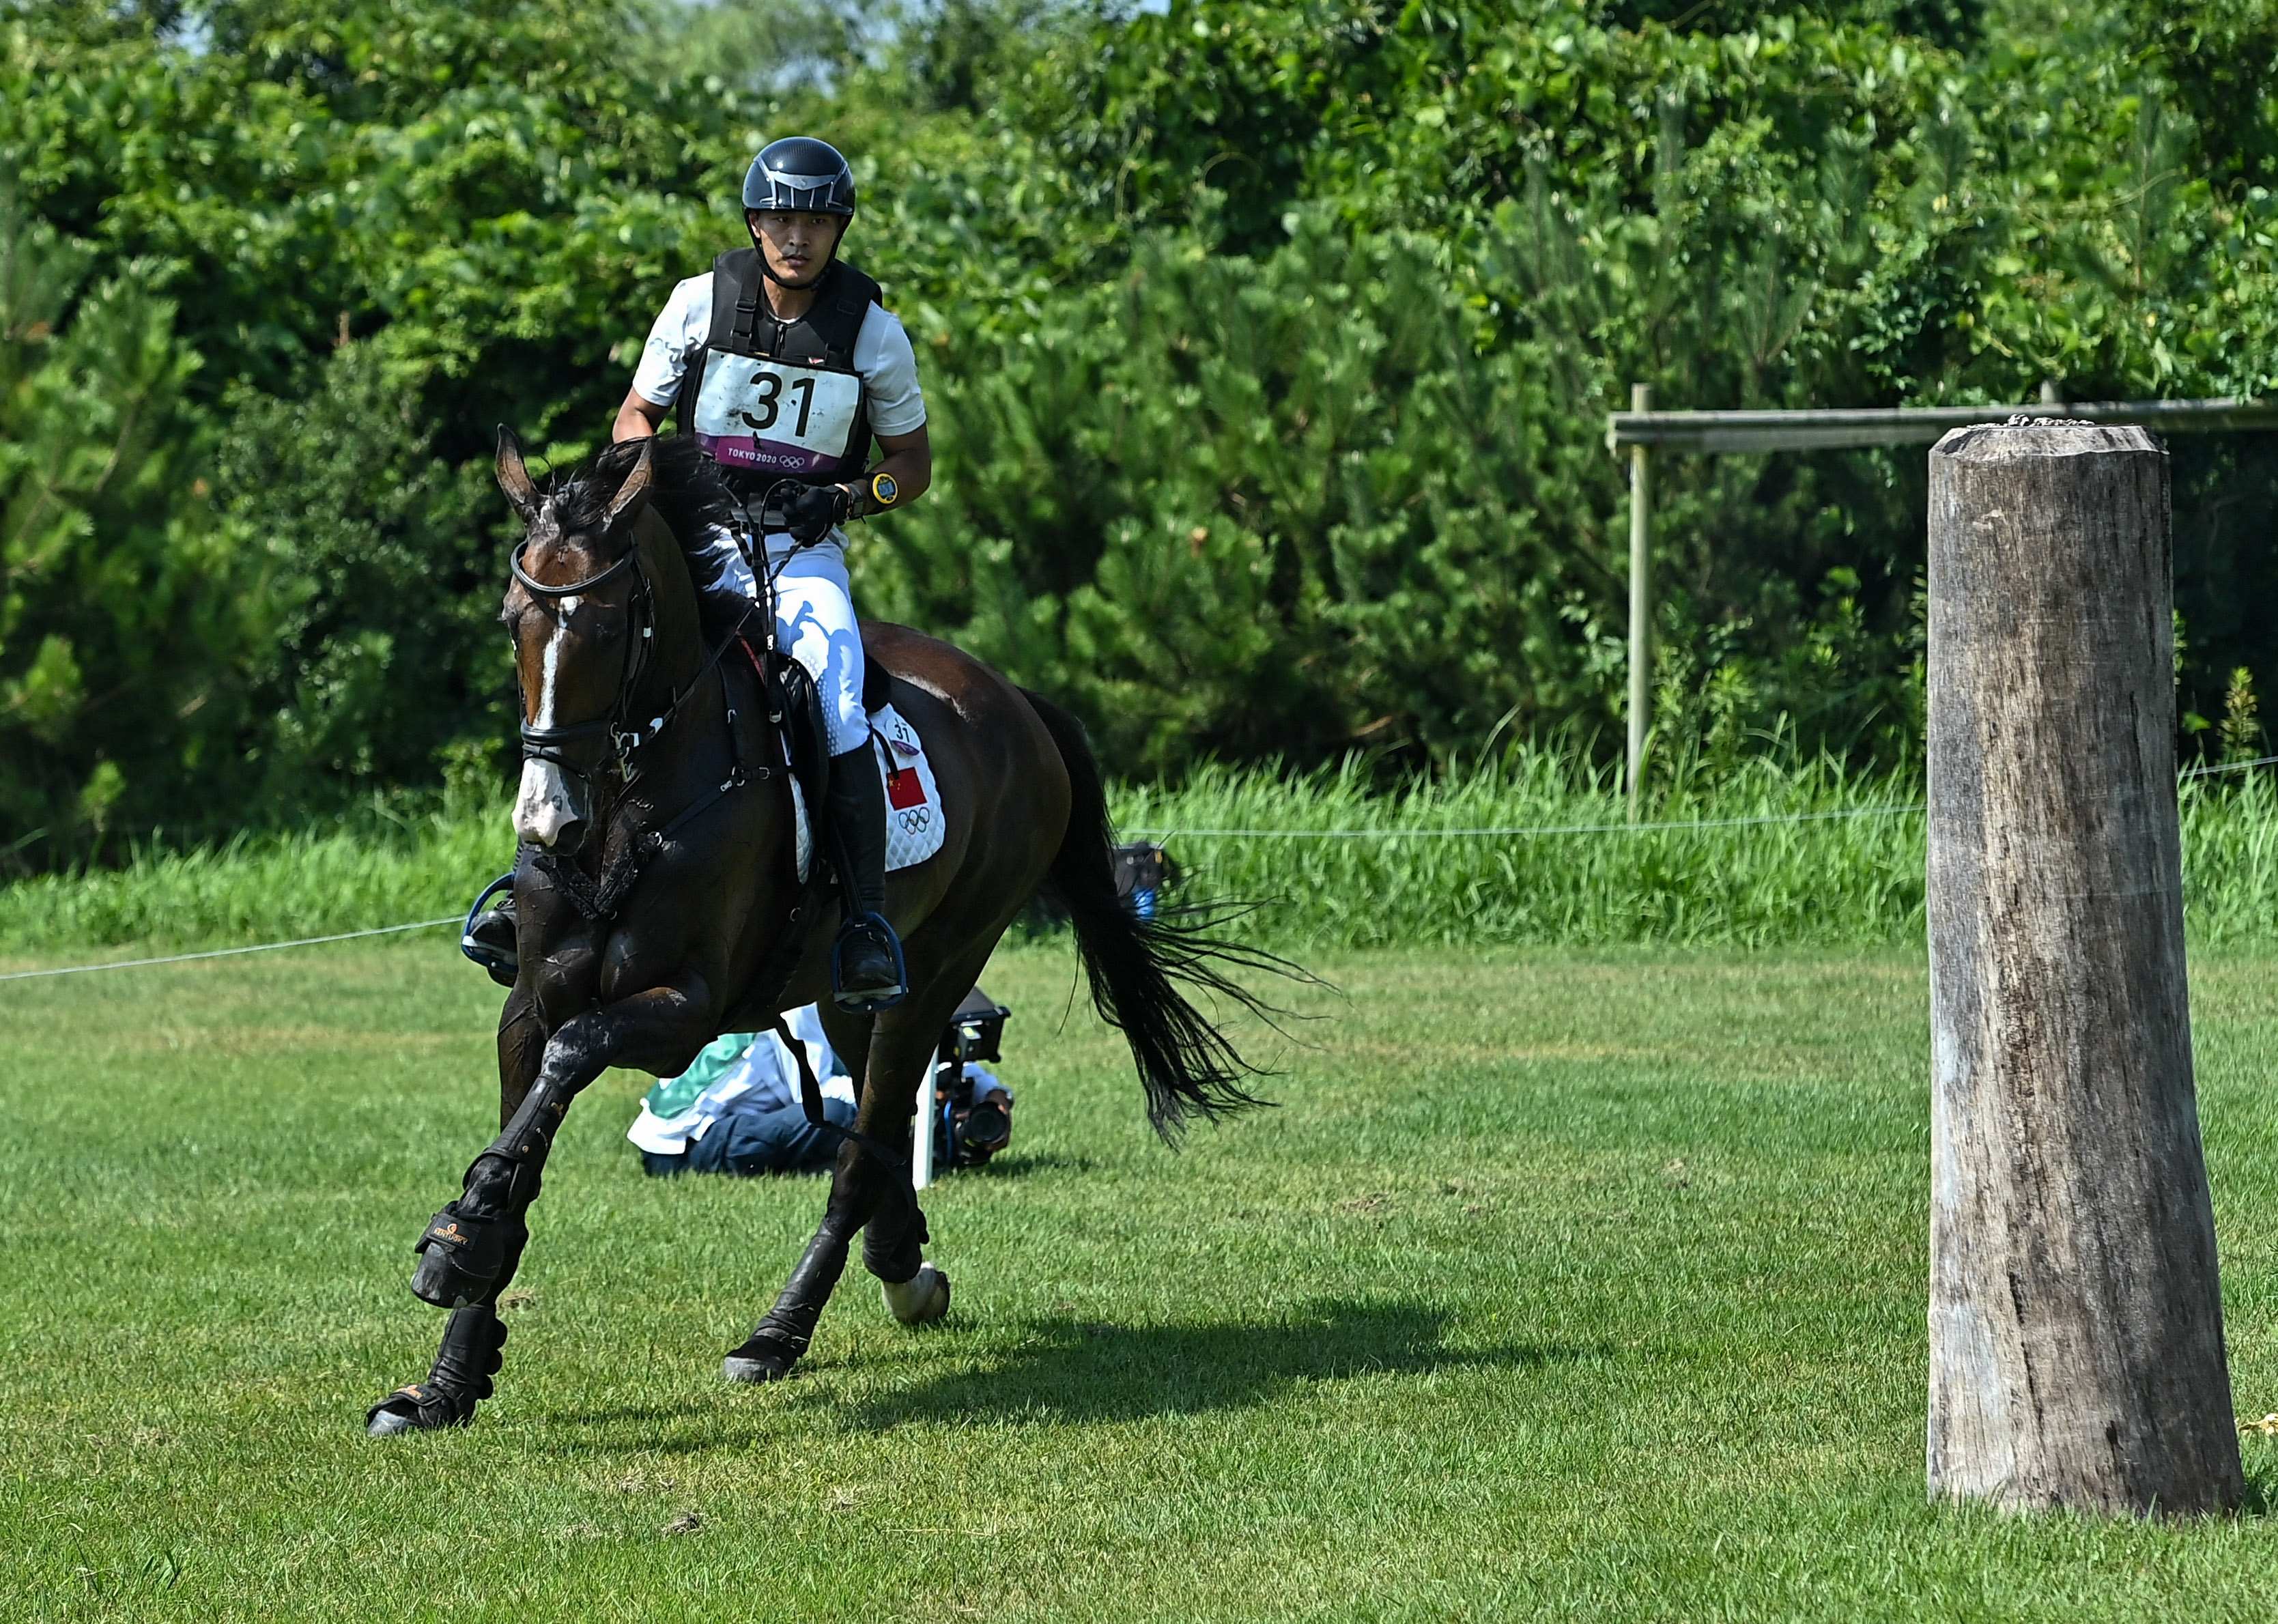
(814, 621)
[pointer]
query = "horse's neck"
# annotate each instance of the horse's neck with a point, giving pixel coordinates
(678, 651)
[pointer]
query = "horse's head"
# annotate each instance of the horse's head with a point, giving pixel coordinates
(577, 609)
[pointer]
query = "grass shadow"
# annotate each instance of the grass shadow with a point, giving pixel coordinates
(1013, 1164)
(1067, 1369)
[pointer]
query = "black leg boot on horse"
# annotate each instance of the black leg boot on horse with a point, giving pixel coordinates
(473, 1349)
(467, 1254)
(775, 1345)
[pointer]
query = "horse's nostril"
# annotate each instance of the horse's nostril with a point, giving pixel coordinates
(570, 837)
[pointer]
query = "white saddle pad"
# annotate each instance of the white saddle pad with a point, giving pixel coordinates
(914, 823)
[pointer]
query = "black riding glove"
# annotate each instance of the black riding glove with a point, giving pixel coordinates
(810, 514)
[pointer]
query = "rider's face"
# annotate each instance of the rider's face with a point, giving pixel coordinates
(797, 245)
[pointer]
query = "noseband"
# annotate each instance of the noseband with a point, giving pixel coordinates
(553, 744)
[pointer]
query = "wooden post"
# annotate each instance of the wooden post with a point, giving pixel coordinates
(2075, 1324)
(1640, 602)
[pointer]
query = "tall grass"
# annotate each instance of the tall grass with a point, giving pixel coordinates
(1340, 866)
(269, 888)
(1798, 852)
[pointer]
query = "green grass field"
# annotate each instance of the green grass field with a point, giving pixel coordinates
(1583, 1285)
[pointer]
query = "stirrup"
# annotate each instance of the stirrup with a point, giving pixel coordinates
(488, 936)
(874, 929)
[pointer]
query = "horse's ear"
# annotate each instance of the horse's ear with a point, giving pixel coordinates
(627, 502)
(513, 478)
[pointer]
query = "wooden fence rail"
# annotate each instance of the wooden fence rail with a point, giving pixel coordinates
(1639, 433)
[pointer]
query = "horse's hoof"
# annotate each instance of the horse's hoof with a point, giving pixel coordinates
(386, 1423)
(418, 1408)
(921, 1300)
(758, 1361)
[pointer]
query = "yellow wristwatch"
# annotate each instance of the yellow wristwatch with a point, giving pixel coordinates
(884, 490)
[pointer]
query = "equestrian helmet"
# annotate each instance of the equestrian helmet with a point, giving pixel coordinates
(802, 175)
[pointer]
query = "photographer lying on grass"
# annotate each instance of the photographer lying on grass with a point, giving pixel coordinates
(736, 1108)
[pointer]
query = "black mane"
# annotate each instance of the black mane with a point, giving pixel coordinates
(684, 488)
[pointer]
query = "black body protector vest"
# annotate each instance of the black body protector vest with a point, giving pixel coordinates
(772, 400)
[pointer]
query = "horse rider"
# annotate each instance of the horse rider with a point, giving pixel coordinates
(785, 366)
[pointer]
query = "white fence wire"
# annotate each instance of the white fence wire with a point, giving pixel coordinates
(1513, 831)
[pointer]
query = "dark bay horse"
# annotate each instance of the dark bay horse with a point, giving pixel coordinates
(658, 903)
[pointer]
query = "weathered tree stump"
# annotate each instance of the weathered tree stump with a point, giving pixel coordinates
(2075, 1324)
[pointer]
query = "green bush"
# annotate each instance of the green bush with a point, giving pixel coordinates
(1268, 348)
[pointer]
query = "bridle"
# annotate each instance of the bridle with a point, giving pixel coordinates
(554, 744)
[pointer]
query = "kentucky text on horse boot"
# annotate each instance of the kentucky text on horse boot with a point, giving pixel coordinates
(460, 1256)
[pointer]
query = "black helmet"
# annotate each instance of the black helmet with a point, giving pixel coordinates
(803, 174)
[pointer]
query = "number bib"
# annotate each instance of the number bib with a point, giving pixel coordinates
(753, 412)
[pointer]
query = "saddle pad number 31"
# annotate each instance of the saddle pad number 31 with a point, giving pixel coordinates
(756, 413)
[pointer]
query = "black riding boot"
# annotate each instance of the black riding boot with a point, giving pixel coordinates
(867, 973)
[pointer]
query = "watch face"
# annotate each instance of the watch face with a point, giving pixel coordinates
(885, 489)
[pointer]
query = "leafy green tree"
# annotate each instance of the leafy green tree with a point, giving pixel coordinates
(384, 660)
(124, 607)
(1268, 346)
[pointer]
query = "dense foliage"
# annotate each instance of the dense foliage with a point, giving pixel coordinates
(1267, 346)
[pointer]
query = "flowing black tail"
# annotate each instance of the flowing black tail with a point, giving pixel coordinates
(1134, 965)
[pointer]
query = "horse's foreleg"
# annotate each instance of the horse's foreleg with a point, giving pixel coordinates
(474, 1339)
(473, 1239)
(472, 1247)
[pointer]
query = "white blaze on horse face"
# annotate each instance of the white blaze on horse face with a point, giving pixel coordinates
(546, 806)
(550, 663)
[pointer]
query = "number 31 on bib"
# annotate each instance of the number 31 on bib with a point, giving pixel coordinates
(759, 413)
